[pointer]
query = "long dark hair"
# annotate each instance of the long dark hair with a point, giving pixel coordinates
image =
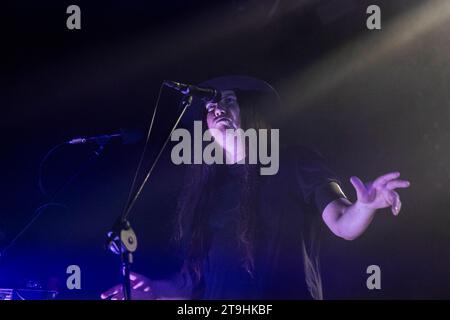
(191, 229)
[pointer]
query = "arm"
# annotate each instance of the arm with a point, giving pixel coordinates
(349, 220)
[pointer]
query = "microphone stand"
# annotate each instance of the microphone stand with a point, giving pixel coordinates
(122, 239)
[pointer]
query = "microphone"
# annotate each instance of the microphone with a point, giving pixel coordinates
(206, 94)
(127, 137)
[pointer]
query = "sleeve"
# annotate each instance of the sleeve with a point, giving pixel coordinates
(316, 182)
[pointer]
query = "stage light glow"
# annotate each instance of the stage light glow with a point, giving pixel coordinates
(305, 86)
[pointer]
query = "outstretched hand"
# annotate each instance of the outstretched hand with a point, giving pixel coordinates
(141, 289)
(177, 287)
(381, 192)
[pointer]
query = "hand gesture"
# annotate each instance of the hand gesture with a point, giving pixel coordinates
(381, 192)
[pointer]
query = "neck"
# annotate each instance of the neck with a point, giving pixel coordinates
(234, 149)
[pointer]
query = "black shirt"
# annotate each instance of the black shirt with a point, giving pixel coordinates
(288, 208)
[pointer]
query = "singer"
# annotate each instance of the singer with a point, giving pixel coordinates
(242, 235)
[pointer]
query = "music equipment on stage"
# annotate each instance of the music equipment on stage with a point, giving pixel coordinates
(27, 294)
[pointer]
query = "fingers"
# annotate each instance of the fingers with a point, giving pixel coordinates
(138, 285)
(360, 188)
(382, 180)
(396, 203)
(115, 293)
(111, 293)
(394, 184)
(393, 199)
(133, 276)
(140, 289)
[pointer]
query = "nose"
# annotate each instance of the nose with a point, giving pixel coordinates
(219, 110)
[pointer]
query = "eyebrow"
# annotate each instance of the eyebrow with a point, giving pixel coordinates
(226, 95)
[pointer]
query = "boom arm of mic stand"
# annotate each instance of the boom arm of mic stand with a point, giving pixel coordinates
(122, 239)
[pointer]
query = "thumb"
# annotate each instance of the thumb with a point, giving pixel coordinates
(360, 188)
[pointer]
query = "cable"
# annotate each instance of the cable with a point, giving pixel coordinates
(41, 166)
(39, 210)
(95, 154)
(144, 149)
(19, 295)
(36, 215)
(126, 213)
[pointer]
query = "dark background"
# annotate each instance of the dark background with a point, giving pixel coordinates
(370, 101)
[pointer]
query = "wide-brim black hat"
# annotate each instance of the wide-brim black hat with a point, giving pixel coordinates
(233, 82)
